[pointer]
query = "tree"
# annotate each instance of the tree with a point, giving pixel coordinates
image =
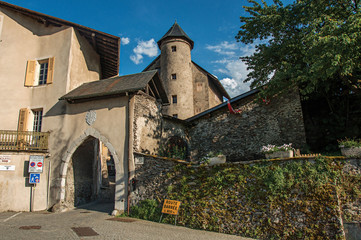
(312, 44)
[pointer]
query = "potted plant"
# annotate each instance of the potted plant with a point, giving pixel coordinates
(273, 151)
(350, 147)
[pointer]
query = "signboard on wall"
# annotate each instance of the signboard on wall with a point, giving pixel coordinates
(5, 158)
(7, 167)
(36, 164)
(139, 160)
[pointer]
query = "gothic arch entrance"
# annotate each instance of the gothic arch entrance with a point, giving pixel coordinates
(89, 172)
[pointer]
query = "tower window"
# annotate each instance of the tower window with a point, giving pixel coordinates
(199, 87)
(174, 76)
(175, 115)
(174, 99)
(174, 48)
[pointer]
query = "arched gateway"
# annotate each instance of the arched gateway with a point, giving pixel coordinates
(82, 172)
(94, 118)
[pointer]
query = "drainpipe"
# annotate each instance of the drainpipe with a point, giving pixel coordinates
(131, 167)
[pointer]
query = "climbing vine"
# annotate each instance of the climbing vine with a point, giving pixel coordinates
(266, 200)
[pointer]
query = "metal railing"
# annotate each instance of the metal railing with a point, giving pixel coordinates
(23, 141)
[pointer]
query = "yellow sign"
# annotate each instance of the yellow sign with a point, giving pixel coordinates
(171, 207)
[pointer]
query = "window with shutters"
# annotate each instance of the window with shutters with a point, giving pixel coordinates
(30, 120)
(39, 72)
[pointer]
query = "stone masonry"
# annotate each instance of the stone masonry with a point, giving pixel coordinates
(240, 136)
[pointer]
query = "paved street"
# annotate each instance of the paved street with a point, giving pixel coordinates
(92, 220)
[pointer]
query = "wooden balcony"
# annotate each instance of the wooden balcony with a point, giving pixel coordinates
(23, 141)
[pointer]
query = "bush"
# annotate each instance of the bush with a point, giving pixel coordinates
(147, 210)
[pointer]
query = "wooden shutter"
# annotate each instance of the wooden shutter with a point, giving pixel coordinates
(30, 73)
(23, 119)
(50, 70)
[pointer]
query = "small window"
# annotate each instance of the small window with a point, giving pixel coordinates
(174, 99)
(38, 118)
(174, 48)
(198, 110)
(175, 115)
(174, 76)
(199, 87)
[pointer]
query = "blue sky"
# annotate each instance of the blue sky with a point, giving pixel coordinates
(211, 24)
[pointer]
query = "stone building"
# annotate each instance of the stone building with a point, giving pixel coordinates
(64, 104)
(190, 88)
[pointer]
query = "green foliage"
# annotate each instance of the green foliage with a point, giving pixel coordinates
(173, 151)
(147, 210)
(241, 199)
(348, 143)
(312, 44)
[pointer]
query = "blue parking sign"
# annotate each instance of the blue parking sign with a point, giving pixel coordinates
(34, 178)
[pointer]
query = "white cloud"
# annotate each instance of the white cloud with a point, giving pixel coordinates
(125, 40)
(234, 69)
(224, 48)
(237, 70)
(148, 48)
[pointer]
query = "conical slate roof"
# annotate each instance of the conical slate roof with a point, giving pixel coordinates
(176, 32)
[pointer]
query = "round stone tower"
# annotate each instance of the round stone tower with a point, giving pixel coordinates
(176, 72)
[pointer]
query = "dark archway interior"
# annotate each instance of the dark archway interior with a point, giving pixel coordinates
(176, 147)
(91, 174)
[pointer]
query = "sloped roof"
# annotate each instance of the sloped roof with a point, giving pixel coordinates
(118, 86)
(106, 45)
(176, 32)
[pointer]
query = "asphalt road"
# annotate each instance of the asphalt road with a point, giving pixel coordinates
(93, 220)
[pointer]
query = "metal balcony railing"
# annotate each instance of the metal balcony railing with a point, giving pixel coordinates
(23, 141)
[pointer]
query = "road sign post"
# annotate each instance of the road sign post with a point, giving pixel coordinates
(34, 178)
(170, 207)
(36, 163)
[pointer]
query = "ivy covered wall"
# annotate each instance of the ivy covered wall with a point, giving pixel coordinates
(290, 199)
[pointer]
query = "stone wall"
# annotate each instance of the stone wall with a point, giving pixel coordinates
(151, 177)
(218, 198)
(147, 124)
(240, 136)
(151, 129)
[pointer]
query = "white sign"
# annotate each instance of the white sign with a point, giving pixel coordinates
(7, 167)
(36, 164)
(139, 160)
(5, 158)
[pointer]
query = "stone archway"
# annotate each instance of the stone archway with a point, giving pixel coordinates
(120, 174)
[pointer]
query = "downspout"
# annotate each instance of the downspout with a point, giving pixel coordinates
(131, 165)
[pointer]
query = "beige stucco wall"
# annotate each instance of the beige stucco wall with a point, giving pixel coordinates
(110, 127)
(84, 62)
(15, 192)
(24, 39)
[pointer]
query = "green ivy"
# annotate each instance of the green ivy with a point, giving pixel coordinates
(246, 199)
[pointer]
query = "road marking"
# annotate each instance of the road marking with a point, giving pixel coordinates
(12, 217)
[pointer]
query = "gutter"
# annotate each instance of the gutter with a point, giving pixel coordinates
(131, 165)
